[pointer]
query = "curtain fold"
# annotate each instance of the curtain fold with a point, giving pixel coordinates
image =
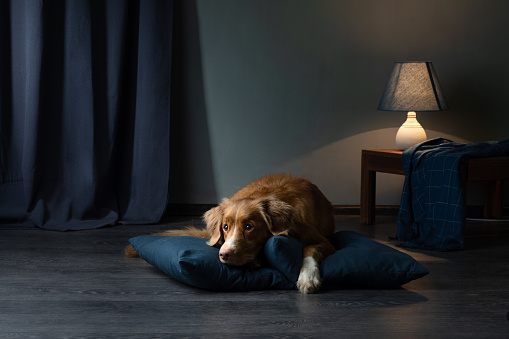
(84, 112)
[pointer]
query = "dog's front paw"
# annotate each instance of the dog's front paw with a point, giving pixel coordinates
(309, 278)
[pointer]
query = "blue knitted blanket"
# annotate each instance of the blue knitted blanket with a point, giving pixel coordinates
(432, 210)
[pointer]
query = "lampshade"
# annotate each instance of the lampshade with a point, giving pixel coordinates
(413, 86)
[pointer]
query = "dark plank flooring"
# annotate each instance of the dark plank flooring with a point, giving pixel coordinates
(78, 285)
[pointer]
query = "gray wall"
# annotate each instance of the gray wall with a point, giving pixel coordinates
(266, 86)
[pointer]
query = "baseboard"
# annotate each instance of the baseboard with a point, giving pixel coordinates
(356, 210)
(187, 209)
(199, 209)
(472, 211)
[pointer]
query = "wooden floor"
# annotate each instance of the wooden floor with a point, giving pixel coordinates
(78, 285)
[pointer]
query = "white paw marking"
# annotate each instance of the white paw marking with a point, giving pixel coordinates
(309, 277)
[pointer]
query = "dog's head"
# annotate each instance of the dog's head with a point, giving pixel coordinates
(242, 227)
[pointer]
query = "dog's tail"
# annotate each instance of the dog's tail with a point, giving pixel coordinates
(191, 231)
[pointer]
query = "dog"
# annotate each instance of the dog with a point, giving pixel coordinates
(273, 205)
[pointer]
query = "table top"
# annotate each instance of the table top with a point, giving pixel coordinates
(397, 152)
(383, 152)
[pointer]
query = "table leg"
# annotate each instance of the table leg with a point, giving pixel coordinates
(493, 199)
(368, 192)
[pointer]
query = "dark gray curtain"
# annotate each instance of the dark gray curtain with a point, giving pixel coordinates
(84, 112)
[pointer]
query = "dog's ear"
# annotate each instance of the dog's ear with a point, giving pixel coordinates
(214, 220)
(279, 216)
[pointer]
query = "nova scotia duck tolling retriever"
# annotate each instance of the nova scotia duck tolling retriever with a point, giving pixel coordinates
(273, 205)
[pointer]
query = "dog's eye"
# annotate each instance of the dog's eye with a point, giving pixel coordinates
(225, 227)
(248, 228)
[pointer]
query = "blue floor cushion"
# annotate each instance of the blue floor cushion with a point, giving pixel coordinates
(359, 262)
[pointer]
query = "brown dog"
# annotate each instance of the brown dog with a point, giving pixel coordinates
(273, 205)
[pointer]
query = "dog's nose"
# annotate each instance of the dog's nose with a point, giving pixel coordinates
(224, 254)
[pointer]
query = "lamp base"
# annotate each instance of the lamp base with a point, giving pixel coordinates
(410, 133)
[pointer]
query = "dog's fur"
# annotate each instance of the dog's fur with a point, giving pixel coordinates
(273, 205)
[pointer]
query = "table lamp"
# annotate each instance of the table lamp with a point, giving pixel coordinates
(412, 87)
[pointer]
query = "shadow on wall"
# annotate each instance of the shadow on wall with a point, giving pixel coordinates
(191, 170)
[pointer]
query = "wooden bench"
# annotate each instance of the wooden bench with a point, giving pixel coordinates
(490, 170)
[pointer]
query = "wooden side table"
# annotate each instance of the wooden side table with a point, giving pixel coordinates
(490, 170)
